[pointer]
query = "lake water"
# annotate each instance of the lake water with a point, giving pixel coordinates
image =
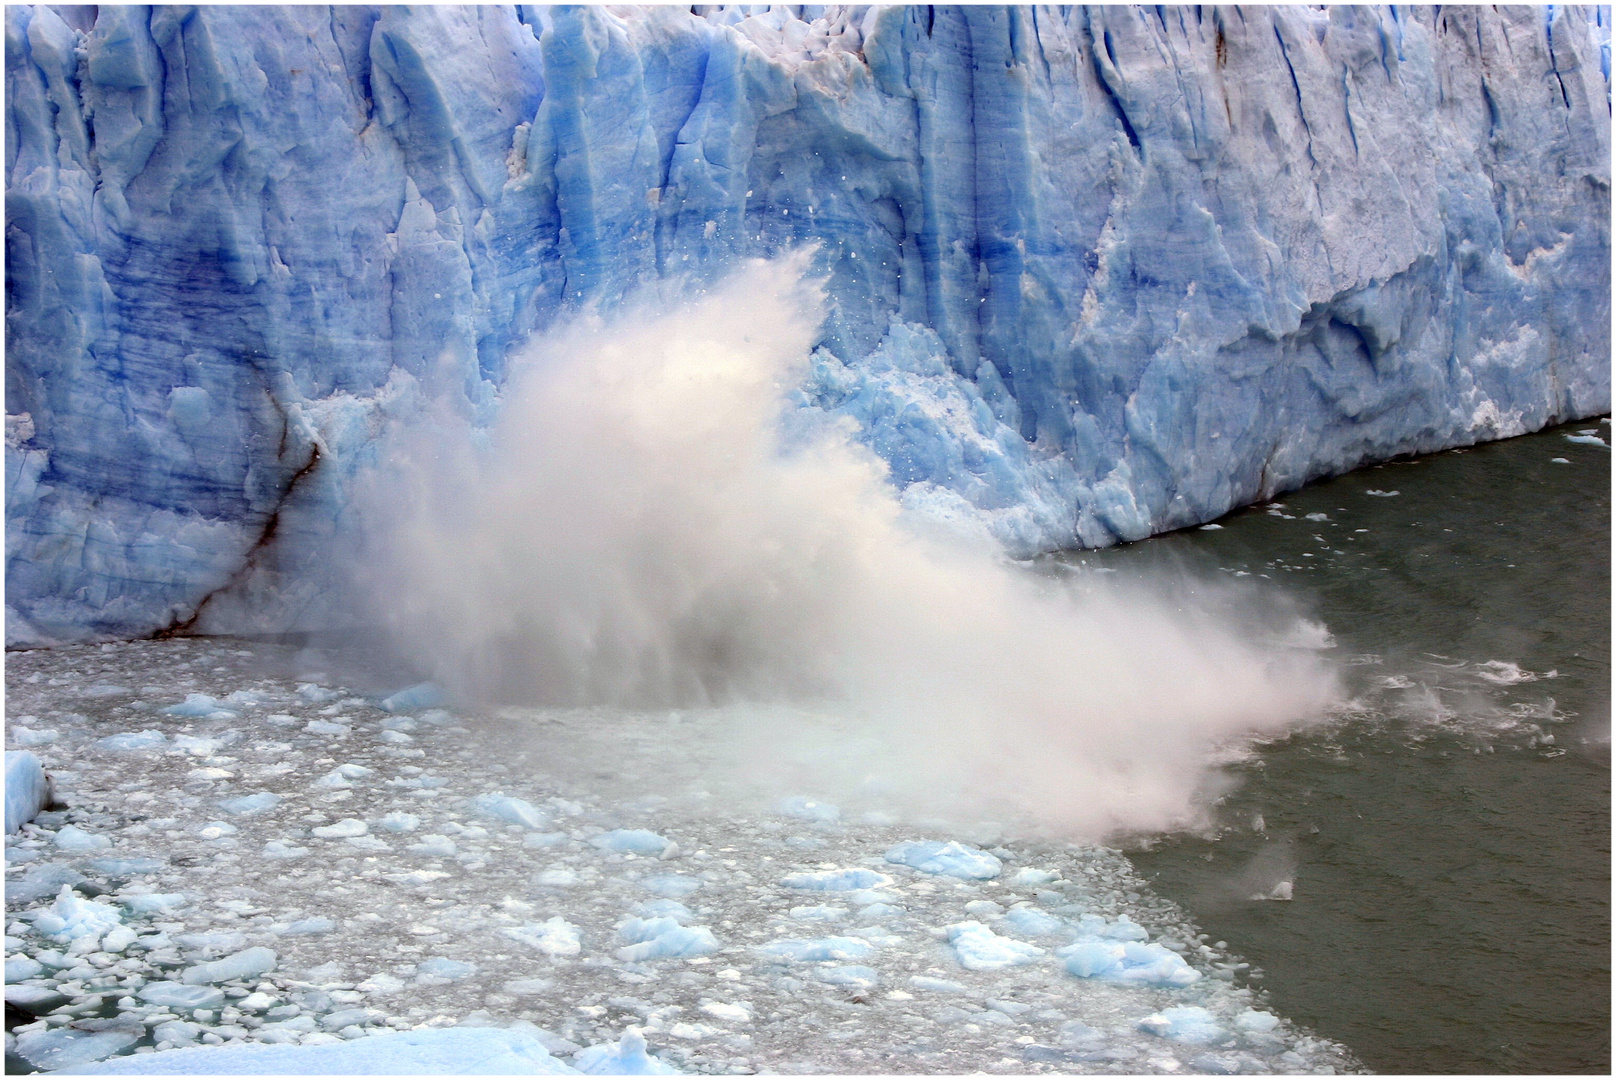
(1449, 839)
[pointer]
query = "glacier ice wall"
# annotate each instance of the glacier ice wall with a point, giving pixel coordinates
(1095, 272)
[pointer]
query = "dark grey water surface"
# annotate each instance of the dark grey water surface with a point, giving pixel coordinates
(1449, 839)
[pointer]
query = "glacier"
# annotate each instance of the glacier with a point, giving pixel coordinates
(1094, 273)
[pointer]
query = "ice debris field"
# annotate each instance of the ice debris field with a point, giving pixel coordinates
(241, 873)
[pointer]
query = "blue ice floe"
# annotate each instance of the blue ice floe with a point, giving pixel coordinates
(846, 879)
(554, 937)
(247, 805)
(27, 789)
(979, 949)
(202, 707)
(458, 1051)
(150, 739)
(420, 696)
(951, 859)
(502, 807)
(627, 1058)
(72, 917)
(1186, 1024)
(636, 841)
(660, 938)
(801, 951)
(1127, 961)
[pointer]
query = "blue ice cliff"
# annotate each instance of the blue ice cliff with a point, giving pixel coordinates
(1094, 273)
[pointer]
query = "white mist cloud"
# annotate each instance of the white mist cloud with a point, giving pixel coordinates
(634, 532)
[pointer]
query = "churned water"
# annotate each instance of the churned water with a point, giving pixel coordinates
(1447, 841)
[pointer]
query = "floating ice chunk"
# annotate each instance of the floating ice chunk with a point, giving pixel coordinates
(521, 812)
(1281, 890)
(627, 1058)
(72, 917)
(674, 941)
(1211, 527)
(198, 746)
(434, 845)
(421, 1052)
(380, 983)
(348, 1017)
(280, 849)
(879, 911)
(827, 912)
(105, 690)
(980, 908)
(544, 840)
(326, 727)
(65, 1047)
(368, 843)
(671, 885)
(800, 951)
(806, 809)
(315, 925)
(1382, 494)
(420, 696)
(173, 995)
(150, 739)
(332, 781)
(557, 876)
(1588, 440)
(854, 976)
(1256, 1020)
(1317, 517)
(315, 694)
(213, 830)
(638, 841)
(980, 949)
(21, 967)
(1130, 961)
(1025, 919)
(663, 909)
(247, 805)
(203, 707)
(395, 738)
(399, 821)
(73, 838)
(730, 1013)
(24, 736)
(1186, 1024)
(634, 931)
(843, 880)
(943, 986)
(1124, 929)
(213, 941)
(118, 939)
(247, 697)
(554, 937)
(27, 789)
(176, 1032)
(341, 830)
(146, 903)
(952, 859)
(1028, 877)
(444, 968)
(254, 961)
(526, 987)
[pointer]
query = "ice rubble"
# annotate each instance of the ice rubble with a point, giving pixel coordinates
(182, 941)
(1096, 272)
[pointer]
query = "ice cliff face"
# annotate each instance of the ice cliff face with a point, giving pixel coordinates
(1095, 273)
